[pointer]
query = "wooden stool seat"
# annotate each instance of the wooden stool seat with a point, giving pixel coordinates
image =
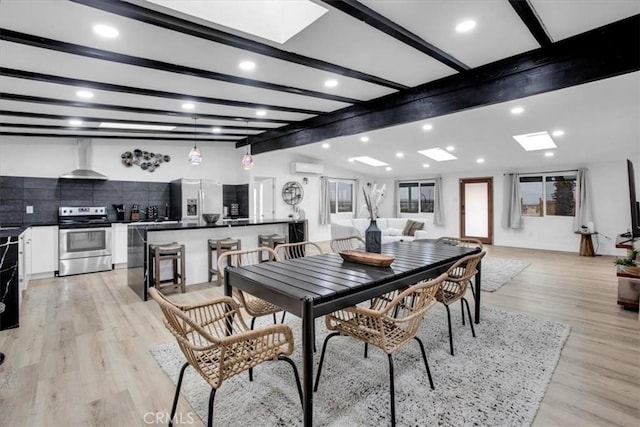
(220, 246)
(271, 241)
(174, 252)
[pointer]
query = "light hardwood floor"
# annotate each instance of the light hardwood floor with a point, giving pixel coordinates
(81, 355)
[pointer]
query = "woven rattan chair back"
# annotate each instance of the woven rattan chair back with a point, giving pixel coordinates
(255, 307)
(298, 250)
(467, 242)
(458, 277)
(346, 243)
(218, 344)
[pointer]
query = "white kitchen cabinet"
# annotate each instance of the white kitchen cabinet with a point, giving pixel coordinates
(44, 251)
(119, 244)
(24, 262)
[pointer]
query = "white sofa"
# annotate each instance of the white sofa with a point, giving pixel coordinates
(391, 228)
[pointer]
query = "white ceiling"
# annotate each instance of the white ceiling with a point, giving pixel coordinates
(600, 119)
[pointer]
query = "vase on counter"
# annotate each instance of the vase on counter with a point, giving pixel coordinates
(373, 238)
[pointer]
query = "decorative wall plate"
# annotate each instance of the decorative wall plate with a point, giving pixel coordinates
(146, 160)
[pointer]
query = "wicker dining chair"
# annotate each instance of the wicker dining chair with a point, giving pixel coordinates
(298, 250)
(465, 242)
(255, 307)
(218, 344)
(454, 287)
(387, 325)
(346, 243)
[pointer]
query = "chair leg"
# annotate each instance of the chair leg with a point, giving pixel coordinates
(462, 310)
(392, 392)
(212, 396)
(426, 364)
(284, 313)
(324, 348)
(253, 321)
(295, 373)
(450, 333)
(275, 321)
(366, 349)
(177, 395)
(473, 331)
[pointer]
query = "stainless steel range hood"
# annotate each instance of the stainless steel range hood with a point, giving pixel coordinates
(84, 170)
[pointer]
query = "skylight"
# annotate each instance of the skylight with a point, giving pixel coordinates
(535, 141)
(437, 154)
(136, 126)
(273, 20)
(369, 161)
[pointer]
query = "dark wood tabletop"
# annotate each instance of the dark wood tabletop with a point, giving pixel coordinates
(313, 286)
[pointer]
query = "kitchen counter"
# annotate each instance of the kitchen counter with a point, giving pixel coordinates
(195, 236)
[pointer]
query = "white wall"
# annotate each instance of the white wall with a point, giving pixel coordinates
(609, 189)
(49, 158)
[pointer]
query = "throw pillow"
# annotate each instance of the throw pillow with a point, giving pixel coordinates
(394, 231)
(407, 227)
(417, 225)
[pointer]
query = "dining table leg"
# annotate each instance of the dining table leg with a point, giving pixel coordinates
(477, 293)
(307, 361)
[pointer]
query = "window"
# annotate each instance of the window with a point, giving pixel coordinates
(548, 194)
(416, 196)
(341, 196)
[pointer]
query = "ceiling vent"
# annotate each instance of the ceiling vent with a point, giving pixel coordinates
(84, 170)
(309, 168)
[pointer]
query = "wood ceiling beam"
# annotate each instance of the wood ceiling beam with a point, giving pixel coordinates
(602, 53)
(84, 135)
(173, 132)
(90, 84)
(174, 23)
(528, 15)
(359, 11)
(105, 55)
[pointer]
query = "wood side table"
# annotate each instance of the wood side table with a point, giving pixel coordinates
(586, 244)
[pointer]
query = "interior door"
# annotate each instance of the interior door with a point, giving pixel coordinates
(476, 209)
(264, 198)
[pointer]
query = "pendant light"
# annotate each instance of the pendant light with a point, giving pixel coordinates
(247, 160)
(195, 156)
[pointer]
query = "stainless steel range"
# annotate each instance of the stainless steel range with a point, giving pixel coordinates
(85, 240)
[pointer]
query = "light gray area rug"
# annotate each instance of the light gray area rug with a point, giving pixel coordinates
(498, 271)
(496, 379)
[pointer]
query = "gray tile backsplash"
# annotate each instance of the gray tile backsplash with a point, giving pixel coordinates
(47, 194)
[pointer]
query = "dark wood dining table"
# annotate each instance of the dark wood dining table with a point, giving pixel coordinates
(313, 286)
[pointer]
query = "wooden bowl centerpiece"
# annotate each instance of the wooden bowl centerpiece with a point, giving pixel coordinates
(368, 258)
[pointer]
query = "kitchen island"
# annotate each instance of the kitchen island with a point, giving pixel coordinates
(194, 237)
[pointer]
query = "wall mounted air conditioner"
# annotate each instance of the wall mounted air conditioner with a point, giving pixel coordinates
(298, 167)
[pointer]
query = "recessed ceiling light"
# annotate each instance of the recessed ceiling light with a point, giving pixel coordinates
(84, 94)
(137, 126)
(351, 160)
(548, 154)
(400, 155)
(427, 126)
(535, 141)
(480, 160)
(450, 148)
(216, 129)
(105, 31)
(261, 113)
(388, 168)
(188, 106)
(369, 161)
(247, 65)
(517, 110)
(437, 154)
(75, 122)
(466, 26)
(557, 132)
(331, 83)
(425, 165)
(325, 145)
(364, 139)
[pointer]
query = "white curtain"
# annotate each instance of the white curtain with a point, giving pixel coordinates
(438, 208)
(583, 201)
(356, 193)
(396, 202)
(325, 208)
(512, 214)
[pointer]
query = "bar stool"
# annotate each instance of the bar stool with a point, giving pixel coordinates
(167, 252)
(220, 246)
(271, 241)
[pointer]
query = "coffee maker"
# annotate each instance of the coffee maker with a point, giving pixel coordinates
(119, 212)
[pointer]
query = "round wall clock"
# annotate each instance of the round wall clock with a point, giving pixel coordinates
(292, 193)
